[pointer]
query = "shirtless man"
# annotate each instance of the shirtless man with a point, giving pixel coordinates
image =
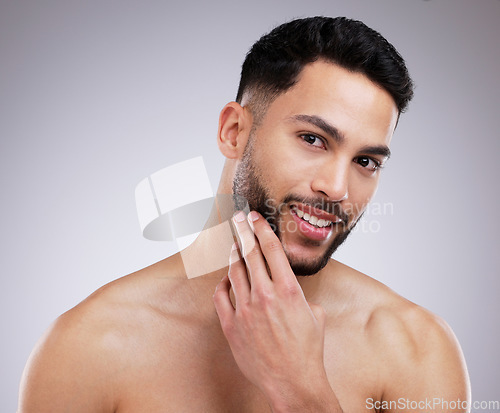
(284, 328)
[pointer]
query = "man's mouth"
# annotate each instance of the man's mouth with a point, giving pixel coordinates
(312, 219)
(315, 217)
(313, 223)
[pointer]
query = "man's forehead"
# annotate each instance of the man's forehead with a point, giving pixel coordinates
(323, 79)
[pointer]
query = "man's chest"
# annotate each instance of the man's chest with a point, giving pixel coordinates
(193, 386)
(201, 377)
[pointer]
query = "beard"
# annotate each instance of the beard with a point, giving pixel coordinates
(248, 187)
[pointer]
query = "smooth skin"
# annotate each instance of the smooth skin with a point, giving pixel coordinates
(267, 341)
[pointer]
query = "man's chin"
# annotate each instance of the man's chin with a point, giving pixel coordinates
(303, 267)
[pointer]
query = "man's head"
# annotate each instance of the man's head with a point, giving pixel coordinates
(318, 102)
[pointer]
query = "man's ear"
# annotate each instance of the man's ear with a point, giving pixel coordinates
(235, 123)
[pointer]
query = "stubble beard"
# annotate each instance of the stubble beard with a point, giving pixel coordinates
(248, 187)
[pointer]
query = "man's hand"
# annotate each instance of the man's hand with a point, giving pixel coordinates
(275, 335)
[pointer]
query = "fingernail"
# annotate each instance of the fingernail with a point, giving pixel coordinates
(234, 247)
(253, 215)
(239, 217)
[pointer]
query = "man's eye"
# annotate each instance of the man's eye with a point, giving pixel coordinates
(368, 163)
(312, 140)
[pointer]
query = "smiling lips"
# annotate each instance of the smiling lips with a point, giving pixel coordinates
(312, 222)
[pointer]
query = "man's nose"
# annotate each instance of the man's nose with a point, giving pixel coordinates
(332, 180)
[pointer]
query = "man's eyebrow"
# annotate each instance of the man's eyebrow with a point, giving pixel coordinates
(376, 150)
(320, 123)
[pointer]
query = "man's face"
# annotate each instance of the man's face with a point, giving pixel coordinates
(311, 166)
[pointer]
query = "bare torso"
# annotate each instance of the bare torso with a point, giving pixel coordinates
(152, 342)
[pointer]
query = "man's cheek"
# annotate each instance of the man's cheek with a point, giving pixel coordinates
(270, 207)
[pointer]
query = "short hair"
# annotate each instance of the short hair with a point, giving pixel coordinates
(275, 61)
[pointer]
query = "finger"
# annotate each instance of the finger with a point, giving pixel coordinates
(250, 250)
(272, 250)
(238, 276)
(222, 301)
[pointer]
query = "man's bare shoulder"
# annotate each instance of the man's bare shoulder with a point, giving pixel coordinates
(87, 350)
(389, 318)
(413, 343)
(124, 304)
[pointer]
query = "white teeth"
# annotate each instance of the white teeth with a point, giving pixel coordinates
(323, 223)
(313, 220)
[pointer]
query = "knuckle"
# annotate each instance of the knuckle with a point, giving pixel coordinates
(244, 314)
(265, 296)
(273, 245)
(218, 294)
(292, 289)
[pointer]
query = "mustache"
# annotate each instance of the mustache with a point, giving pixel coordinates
(320, 203)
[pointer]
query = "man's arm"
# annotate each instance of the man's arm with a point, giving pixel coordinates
(276, 336)
(67, 371)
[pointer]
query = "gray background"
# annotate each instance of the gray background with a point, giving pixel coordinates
(96, 95)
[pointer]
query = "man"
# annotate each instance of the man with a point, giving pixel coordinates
(284, 328)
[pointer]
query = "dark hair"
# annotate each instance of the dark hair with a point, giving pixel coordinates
(274, 62)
